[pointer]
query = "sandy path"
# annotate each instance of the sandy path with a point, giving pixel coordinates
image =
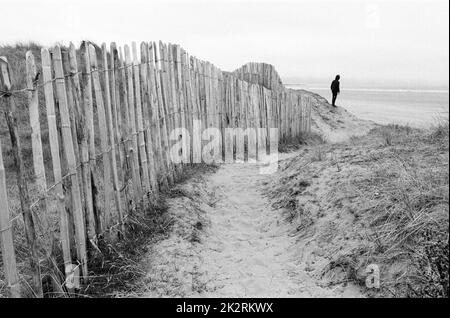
(249, 251)
(228, 242)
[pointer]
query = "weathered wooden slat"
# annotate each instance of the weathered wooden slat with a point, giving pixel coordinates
(269, 124)
(196, 125)
(111, 134)
(87, 146)
(186, 99)
(71, 102)
(139, 122)
(163, 95)
(118, 123)
(146, 95)
(74, 80)
(191, 87)
(181, 113)
(6, 237)
(73, 115)
(203, 94)
(12, 123)
(116, 104)
(71, 161)
(104, 146)
(231, 114)
(36, 145)
(240, 141)
(174, 105)
(156, 120)
(56, 160)
(134, 151)
(309, 114)
(206, 78)
(126, 130)
(252, 136)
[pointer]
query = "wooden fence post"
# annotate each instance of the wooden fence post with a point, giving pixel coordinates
(111, 132)
(88, 145)
(71, 161)
(206, 77)
(203, 94)
(42, 212)
(163, 96)
(197, 132)
(105, 214)
(134, 150)
(11, 120)
(163, 119)
(116, 102)
(179, 86)
(146, 117)
(36, 143)
(126, 131)
(6, 237)
(55, 153)
(137, 109)
(169, 105)
(156, 117)
(187, 91)
(309, 114)
(174, 106)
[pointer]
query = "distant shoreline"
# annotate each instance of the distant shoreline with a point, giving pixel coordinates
(384, 90)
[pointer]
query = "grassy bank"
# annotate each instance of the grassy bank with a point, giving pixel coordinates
(379, 199)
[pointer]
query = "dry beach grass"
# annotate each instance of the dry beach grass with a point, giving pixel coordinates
(378, 199)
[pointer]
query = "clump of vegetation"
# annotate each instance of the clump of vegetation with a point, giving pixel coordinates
(408, 217)
(389, 132)
(319, 154)
(386, 134)
(389, 203)
(294, 143)
(116, 266)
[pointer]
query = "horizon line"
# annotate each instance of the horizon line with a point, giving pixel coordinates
(379, 89)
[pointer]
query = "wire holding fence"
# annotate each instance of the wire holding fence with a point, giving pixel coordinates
(108, 121)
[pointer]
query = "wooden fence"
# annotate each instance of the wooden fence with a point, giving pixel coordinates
(110, 113)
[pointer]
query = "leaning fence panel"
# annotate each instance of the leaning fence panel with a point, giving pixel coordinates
(108, 122)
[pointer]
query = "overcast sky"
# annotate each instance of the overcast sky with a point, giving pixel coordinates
(395, 42)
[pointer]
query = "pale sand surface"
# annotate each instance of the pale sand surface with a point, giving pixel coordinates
(228, 240)
(241, 249)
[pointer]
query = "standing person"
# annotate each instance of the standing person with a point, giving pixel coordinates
(335, 89)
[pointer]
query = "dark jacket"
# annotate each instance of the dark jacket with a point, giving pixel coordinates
(335, 86)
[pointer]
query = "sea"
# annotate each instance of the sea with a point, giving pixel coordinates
(418, 108)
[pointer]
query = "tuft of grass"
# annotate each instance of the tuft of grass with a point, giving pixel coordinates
(386, 134)
(294, 143)
(285, 197)
(389, 202)
(319, 154)
(393, 133)
(117, 266)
